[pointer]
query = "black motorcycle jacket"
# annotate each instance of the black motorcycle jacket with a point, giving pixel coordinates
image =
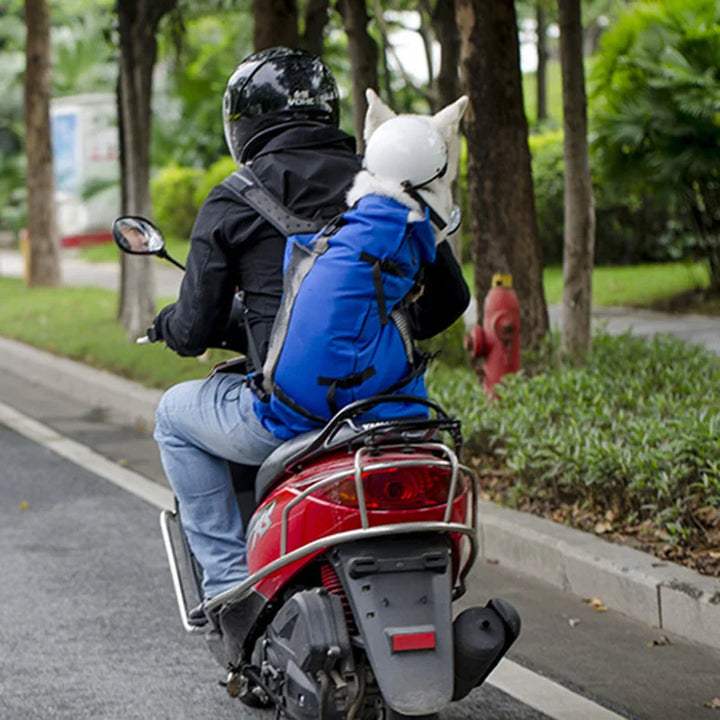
(309, 168)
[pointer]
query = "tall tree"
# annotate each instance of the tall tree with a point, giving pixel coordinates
(500, 191)
(542, 58)
(138, 22)
(42, 225)
(363, 59)
(448, 79)
(317, 14)
(579, 226)
(275, 23)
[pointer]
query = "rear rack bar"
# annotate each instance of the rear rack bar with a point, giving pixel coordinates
(241, 590)
(236, 593)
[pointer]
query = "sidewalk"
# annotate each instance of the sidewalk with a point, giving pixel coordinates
(661, 594)
(76, 271)
(697, 329)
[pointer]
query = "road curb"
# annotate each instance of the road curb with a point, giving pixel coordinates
(660, 594)
(121, 400)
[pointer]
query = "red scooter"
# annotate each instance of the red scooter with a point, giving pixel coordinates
(361, 537)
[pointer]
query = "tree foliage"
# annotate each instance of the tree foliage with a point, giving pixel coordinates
(656, 108)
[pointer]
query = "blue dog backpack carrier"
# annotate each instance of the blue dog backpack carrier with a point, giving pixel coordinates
(341, 333)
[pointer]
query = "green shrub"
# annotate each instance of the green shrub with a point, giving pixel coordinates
(449, 346)
(173, 193)
(634, 431)
(546, 150)
(213, 176)
(630, 228)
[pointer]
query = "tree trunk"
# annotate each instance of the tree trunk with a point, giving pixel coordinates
(317, 15)
(579, 232)
(275, 23)
(500, 191)
(448, 79)
(44, 256)
(138, 22)
(542, 53)
(363, 60)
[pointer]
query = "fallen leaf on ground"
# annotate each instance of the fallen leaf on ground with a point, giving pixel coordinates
(23, 505)
(663, 640)
(596, 603)
(492, 561)
(714, 704)
(122, 461)
(603, 527)
(573, 622)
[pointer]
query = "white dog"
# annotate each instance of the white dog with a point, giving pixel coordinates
(412, 159)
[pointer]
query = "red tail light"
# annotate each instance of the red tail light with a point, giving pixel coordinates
(401, 488)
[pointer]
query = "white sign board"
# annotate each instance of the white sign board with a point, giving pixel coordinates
(86, 158)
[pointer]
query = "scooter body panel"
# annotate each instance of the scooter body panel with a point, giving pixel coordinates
(285, 521)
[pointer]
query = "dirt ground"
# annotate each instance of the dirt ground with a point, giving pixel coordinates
(699, 551)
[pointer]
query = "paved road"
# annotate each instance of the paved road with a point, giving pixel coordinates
(89, 625)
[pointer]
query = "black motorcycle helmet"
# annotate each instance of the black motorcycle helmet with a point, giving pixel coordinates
(273, 87)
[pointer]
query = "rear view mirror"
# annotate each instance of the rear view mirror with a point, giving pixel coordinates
(137, 235)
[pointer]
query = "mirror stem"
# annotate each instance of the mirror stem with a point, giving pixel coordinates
(164, 254)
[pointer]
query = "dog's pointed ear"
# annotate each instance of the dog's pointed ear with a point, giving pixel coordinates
(447, 120)
(377, 113)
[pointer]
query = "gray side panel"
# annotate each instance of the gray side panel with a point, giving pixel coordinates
(399, 586)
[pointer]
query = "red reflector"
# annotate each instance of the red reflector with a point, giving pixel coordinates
(413, 641)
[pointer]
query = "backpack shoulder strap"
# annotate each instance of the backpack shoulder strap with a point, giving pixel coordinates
(244, 183)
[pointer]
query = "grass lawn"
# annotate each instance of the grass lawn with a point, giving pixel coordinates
(646, 286)
(634, 285)
(80, 323)
(109, 252)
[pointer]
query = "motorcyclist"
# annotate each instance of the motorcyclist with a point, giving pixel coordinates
(281, 113)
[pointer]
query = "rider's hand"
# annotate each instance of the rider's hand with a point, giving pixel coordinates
(153, 334)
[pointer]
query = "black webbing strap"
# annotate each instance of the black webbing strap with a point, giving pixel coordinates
(439, 223)
(380, 266)
(416, 368)
(246, 184)
(344, 383)
(240, 306)
(281, 395)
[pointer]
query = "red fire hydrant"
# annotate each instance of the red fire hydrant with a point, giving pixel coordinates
(498, 340)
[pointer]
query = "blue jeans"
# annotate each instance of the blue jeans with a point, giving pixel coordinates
(200, 425)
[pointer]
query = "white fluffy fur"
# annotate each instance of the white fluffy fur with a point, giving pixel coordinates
(438, 194)
(367, 184)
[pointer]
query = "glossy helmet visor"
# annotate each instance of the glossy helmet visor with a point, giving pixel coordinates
(273, 87)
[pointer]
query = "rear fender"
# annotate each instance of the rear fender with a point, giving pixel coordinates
(400, 593)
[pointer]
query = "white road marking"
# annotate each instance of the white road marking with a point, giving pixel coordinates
(524, 685)
(546, 695)
(86, 458)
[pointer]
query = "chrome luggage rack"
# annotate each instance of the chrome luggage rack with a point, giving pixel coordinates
(366, 531)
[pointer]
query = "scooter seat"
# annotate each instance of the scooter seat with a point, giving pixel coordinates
(291, 451)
